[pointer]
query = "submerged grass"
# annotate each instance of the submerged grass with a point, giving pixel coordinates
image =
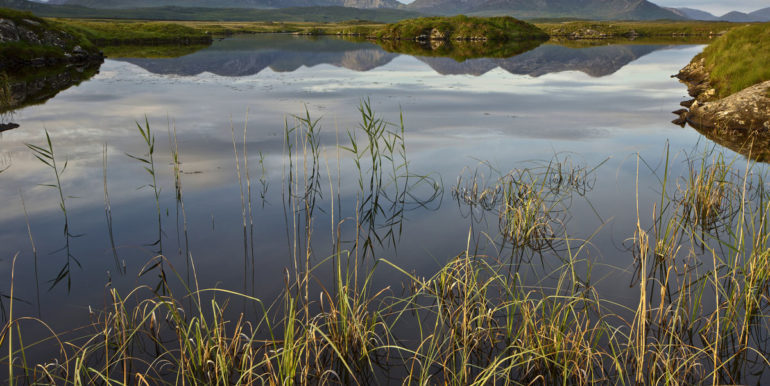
(700, 314)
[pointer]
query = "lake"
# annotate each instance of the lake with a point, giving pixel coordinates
(600, 112)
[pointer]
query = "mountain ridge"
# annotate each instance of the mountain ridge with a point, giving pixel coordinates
(590, 9)
(258, 4)
(760, 15)
(587, 9)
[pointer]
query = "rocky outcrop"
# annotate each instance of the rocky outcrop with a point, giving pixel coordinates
(32, 42)
(748, 109)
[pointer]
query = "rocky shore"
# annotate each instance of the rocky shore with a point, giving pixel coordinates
(746, 110)
(29, 42)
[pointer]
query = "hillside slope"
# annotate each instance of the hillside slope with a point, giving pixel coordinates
(309, 14)
(125, 4)
(589, 9)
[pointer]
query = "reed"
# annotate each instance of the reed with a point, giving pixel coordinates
(108, 214)
(47, 156)
(148, 159)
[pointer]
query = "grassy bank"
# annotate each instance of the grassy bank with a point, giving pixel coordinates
(353, 27)
(57, 38)
(113, 32)
(676, 32)
(739, 59)
(43, 39)
(698, 313)
(594, 29)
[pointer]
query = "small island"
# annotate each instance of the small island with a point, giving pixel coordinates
(460, 37)
(461, 28)
(730, 82)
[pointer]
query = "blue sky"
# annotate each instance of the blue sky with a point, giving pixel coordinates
(717, 7)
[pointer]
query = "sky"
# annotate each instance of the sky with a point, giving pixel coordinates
(717, 7)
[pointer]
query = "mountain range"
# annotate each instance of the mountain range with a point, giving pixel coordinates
(259, 4)
(761, 15)
(593, 9)
(589, 9)
(526, 9)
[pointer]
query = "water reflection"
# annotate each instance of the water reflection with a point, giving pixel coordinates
(249, 55)
(460, 50)
(451, 122)
(548, 58)
(754, 145)
(36, 86)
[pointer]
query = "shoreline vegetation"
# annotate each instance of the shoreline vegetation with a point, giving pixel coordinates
(117, 32)
(32, 42)
(106, 33)
(458, 37)
(698, 311)
(730, 83)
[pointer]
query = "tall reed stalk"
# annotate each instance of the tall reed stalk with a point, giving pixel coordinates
(148, 159)
(47, 156)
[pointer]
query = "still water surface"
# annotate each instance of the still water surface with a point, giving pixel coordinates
(599, 105)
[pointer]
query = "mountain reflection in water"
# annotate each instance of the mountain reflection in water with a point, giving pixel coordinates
(249, 55)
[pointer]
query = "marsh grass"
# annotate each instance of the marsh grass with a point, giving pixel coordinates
(532, 203)
(148, 161)
(707, 193)
(108, 214)
(699, 314)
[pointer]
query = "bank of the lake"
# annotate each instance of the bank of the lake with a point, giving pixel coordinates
(730, 82)
(27, 41)
(120, 32)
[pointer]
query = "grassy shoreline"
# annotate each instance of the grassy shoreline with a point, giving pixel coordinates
(106, 33)
(635, 29)
(567, 29)
(738, 60)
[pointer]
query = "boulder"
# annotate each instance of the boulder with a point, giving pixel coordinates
(748, 109)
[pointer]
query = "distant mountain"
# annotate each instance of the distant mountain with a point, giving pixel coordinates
(589, 9)
(760, 15)
(308, 14)
(694, 14)
(735, 16)
(125, 4)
